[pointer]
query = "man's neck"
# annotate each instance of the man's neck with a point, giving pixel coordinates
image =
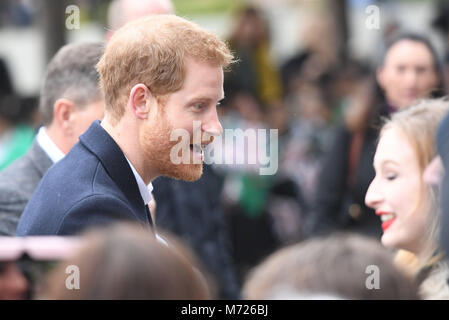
(127, 138)
(57, 138)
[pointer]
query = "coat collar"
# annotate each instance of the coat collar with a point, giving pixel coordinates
(101, 144)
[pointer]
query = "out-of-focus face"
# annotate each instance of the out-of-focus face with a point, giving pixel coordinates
(196, 101)
(398, 194)
(408, 73)
(13, 285)
(83, 117)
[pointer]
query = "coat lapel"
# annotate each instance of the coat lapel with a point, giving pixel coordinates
(100, 143)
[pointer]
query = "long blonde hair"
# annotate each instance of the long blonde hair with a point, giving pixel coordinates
(419, 123)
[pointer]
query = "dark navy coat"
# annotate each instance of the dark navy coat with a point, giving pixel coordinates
(92, 185)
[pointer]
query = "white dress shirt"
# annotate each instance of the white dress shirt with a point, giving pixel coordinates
(145, 190)
(49, 147)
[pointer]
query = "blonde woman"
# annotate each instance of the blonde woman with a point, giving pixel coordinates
(406, 205)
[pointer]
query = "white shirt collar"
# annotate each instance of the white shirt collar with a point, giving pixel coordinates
(55, 154)
(50, 148)
(145, 191)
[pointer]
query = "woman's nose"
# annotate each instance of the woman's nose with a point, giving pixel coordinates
(373, 197)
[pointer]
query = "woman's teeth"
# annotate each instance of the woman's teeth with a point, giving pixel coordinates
(387, 217)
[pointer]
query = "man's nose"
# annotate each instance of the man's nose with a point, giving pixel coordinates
(212, 124)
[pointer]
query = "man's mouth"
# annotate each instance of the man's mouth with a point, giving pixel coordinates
(198, 151)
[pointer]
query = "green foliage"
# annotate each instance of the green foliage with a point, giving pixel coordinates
(197, 7)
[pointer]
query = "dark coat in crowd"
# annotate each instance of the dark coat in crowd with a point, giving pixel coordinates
(192, 211)
(92, 185)
(17, 184)
(344, 180)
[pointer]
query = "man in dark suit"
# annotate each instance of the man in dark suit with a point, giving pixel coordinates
(162, 78)
(70, 101)
(181, 206)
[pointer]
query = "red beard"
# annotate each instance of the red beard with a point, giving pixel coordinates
(156, 145)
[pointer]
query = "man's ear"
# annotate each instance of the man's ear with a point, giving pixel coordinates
(63, 115)
(140, 98)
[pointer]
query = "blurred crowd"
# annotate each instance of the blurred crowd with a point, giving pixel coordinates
(359, 182)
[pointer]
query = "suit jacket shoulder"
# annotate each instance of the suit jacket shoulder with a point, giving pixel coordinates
(92, 185)
(17, 184)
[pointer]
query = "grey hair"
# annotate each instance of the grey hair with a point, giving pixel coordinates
(71, 74)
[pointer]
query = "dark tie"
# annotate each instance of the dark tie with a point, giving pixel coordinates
(147, 210)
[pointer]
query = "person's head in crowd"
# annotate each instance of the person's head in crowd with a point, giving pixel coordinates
(12, 109)
(71, 98)
(13, 284)
(160, 74)
(121, 12)
(125, 261)
(409, 70)
(250, 28)
(406, 205)
(335, 267)
(320, 41)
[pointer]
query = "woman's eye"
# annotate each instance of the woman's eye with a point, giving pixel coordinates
(391, 176)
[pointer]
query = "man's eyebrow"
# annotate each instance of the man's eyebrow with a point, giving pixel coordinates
(200, 98)
(204, 98)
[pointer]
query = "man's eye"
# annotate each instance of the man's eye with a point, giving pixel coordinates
(198, 106)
